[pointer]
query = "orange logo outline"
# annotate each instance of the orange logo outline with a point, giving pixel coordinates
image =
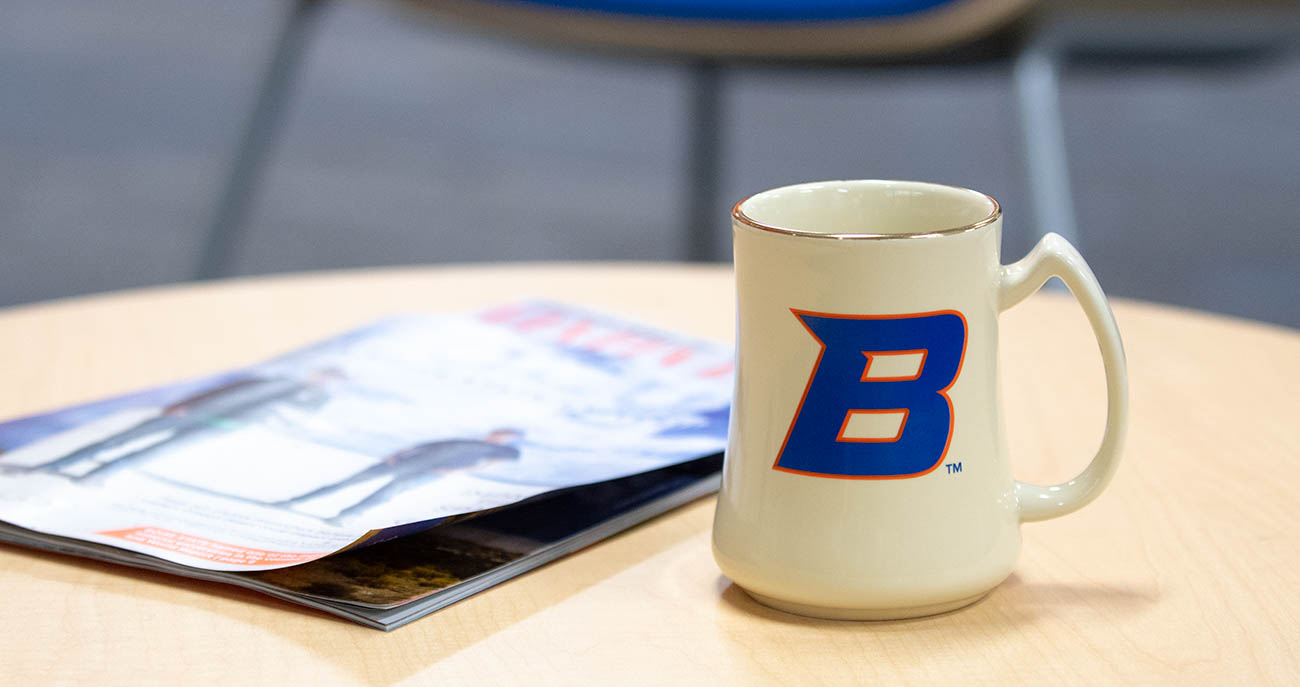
(920, 367)
(872, 440)
(952, 415)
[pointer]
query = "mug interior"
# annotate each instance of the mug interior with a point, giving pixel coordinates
(867, 209)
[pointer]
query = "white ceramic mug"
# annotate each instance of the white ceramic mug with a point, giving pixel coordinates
(866, 473)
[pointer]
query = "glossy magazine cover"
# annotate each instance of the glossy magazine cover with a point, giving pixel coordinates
(390, 429)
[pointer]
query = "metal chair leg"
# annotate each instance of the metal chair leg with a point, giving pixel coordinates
(249, 163)
(703, 161)
(1037, 83)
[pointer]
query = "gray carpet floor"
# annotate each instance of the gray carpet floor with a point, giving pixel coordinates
(411, 141)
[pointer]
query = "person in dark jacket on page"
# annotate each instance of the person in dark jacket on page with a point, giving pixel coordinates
(230, 405)
(418, 465)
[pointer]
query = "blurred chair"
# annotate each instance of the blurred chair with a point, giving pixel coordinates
(706, 34)
(1189, 36)
(710, 34)
(735, 29)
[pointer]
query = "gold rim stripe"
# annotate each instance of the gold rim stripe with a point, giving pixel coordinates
(740, 216)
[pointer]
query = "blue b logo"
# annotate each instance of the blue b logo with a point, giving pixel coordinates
(876, 405)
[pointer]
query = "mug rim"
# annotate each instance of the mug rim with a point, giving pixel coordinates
(739, 215)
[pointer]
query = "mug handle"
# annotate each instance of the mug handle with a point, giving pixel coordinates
(1055, 257)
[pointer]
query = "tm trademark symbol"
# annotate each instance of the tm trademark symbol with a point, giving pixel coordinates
(953, 468)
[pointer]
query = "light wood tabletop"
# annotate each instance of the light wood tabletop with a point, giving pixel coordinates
(1184, 571)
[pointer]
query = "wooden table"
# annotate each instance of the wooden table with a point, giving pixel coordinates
(1185, 571)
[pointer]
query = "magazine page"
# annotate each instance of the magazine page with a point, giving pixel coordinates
(398, 572)
(390, 584)
(386, 430)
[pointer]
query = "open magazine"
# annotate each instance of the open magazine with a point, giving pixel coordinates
(386, 472)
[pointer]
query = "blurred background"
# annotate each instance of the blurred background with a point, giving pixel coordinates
(157, 141)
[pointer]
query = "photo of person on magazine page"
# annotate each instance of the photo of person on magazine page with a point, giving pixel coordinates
(251, 400)
(234, 404)
(413, 467)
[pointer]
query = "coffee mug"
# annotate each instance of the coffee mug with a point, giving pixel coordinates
(866, 474)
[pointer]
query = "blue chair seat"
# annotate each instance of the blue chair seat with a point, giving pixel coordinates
(768, 29)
